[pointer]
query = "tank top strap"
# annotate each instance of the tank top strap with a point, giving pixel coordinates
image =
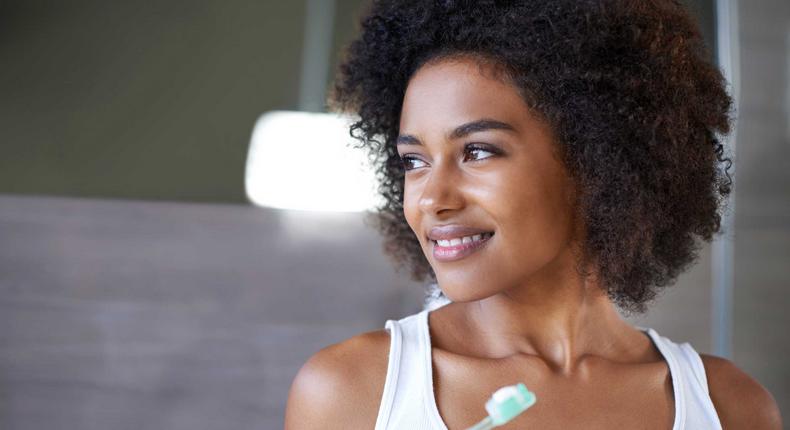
(693, 404)
(403, 397)
(676, 373)
(689, 362)
(694, 362)
(393, 369)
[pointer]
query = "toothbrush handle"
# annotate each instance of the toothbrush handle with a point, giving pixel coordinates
(486, 424)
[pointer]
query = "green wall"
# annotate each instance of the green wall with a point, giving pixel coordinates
(150, 100)
(144, 100)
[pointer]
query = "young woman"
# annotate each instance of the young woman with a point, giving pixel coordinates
(543, 162)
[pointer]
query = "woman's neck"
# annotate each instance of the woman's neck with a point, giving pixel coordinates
(559, 321)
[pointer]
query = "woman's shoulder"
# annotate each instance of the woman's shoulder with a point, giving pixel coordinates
(740, 401)
(341, 385)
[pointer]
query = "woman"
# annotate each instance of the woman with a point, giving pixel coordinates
(544, 162)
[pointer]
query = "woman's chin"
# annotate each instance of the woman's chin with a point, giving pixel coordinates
(465, 292)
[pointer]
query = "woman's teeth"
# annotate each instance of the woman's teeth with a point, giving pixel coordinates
(463, 240)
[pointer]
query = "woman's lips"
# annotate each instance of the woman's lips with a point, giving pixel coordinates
(457, 252)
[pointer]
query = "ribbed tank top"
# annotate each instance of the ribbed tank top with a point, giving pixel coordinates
(408, 400)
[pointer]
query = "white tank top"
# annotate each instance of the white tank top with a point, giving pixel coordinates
(408, 401)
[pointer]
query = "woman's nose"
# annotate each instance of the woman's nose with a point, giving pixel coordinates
(441, 191)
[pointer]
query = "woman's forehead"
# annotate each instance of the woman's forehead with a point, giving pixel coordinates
(444, 94)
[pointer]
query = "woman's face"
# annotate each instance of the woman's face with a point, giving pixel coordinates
(478, 159)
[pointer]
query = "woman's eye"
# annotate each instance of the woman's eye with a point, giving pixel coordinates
(410, 163)
(480, 152)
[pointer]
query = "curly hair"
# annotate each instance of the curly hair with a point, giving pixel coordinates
(637, 108)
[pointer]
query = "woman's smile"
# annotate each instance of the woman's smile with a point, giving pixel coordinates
(458, 248)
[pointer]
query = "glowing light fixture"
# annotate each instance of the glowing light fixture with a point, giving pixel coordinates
(305, 161)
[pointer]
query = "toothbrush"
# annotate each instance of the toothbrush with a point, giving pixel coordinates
(504, 405)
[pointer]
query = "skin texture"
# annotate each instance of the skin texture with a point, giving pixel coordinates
(522, 312)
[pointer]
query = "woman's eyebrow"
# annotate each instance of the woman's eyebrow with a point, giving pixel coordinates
(461, 131)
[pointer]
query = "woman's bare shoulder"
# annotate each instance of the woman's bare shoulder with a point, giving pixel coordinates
(740, 401)
(341, 385)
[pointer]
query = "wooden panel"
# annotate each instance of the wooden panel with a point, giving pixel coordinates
(124, 314)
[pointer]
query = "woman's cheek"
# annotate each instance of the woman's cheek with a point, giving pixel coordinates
(411, 213)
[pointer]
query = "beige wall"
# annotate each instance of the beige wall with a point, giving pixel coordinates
(762, 220)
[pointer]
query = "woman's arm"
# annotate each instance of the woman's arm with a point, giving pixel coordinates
(340, 387)
(740, 401)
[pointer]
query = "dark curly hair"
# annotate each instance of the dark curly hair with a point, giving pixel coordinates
(636, 105)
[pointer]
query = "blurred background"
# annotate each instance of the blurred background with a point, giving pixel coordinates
(141, 287)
